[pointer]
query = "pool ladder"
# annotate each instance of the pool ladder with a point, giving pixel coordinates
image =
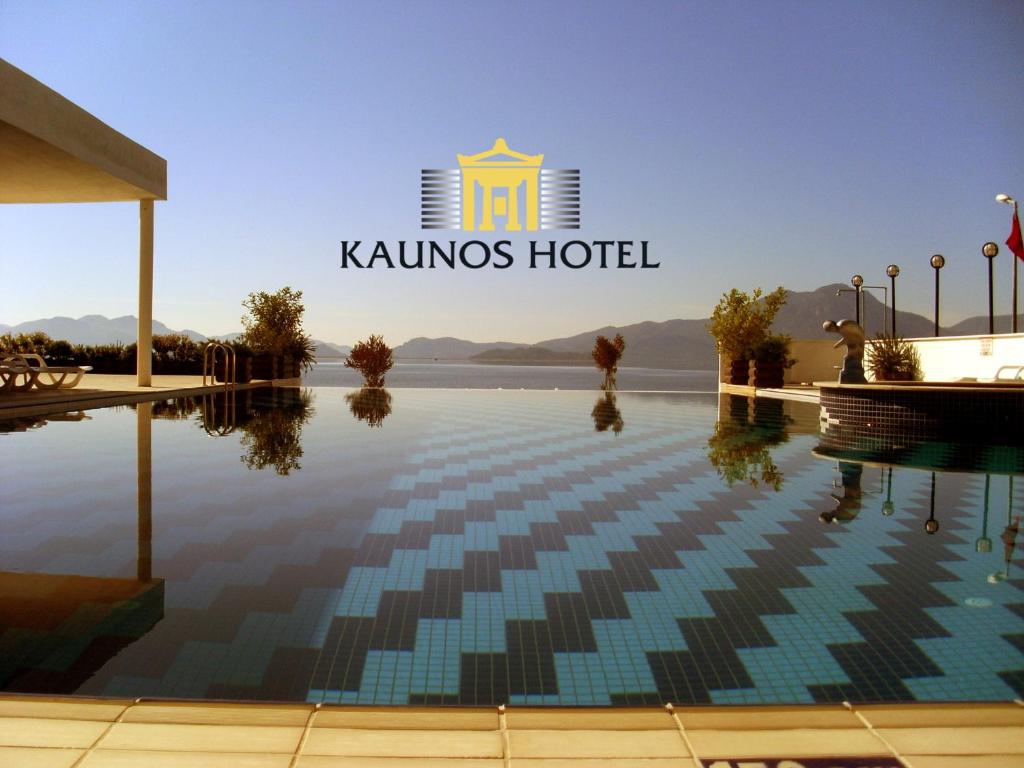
(211, 352)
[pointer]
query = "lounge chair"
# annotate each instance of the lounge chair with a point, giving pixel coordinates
(50, 376)
(16, 375)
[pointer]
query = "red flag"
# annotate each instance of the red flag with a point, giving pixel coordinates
(1015, 241)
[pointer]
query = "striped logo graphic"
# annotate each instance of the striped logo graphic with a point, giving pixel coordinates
(500, 189)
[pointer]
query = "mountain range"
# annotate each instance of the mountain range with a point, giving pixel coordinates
(677, 344)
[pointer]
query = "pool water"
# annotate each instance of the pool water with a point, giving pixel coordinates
(486, 547)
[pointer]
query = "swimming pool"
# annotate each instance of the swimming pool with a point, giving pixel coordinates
(483, 547)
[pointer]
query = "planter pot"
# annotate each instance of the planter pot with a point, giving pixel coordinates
(243, 369)
(769, 374)
(265, 367)
(739, 371)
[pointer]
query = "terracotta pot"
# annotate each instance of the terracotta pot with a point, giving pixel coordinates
(739, 371)
(769, 374)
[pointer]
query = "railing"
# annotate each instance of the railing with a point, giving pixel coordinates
(211, 352)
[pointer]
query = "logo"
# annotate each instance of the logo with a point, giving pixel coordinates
(500, 188)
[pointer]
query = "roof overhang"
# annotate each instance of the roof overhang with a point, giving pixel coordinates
(53, 151)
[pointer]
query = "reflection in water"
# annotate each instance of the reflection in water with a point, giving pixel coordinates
(607, 414)
(57, 629)
(847, 505)
(272, 429)
(370, 404)
(738, 449)
(25, 423)
(1009, 539)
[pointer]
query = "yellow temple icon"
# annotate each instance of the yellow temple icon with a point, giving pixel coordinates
(511, 185)
(500, 172)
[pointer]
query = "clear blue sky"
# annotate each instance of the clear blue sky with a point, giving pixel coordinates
(753, 143)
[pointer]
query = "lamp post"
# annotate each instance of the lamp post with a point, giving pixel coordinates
(1010, 201)
(990, 251)
(857, 281)
(938, 262)
(893, 271)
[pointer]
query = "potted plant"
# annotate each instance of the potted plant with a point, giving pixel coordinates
(771, 360)
(273, 331)
(739, 322)
(893, 358)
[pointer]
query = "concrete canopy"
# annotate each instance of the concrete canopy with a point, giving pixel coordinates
(53, 151)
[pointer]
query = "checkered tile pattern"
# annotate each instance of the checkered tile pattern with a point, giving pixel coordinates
(489, 547)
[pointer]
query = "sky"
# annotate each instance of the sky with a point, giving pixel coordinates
(750, 143)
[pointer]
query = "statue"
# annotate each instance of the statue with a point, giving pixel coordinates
(853, 338)
(848, 505)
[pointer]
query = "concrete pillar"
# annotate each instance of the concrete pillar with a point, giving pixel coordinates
(144, 364)
(144, 490)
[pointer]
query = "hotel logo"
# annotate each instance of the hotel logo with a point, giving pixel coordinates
(500, 188)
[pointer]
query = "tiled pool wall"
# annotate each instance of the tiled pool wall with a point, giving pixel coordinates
(896, 415)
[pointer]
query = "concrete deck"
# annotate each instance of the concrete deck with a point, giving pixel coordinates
(803, 394)
(99, 389)
(104, 733)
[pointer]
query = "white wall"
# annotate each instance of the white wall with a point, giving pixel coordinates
(961, 357)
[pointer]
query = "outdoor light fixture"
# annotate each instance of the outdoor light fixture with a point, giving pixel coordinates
(938, 262)
(1001, 198)
(990, 251)
(857, 281)
(893, 272)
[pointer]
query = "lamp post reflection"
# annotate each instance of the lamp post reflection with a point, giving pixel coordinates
(931, 525)
(888, 508)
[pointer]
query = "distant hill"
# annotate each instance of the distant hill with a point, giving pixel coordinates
(675, 344)
(535, 355)
(95, 329)
(678, 344)
(805, 311)
(447, 348)
(326, 350)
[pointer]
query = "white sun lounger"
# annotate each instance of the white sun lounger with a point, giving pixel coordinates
(29, 370)
(16, 375)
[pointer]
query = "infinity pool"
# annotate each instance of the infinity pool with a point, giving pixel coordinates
(484, 547)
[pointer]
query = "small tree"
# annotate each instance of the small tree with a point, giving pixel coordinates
(606, 356)
(372, 358)
(274, 325)
(741, 320)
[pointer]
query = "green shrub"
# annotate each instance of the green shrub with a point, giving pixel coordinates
(741, 321)
(372, 358)
(893, 358)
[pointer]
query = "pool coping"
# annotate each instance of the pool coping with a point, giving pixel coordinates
(72, 731)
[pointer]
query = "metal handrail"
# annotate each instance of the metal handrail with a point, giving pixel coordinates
(210, 363)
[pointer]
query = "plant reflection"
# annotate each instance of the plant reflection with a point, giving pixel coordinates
(607, 414)
(738, 449)
(370, 404)
(272, 430)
